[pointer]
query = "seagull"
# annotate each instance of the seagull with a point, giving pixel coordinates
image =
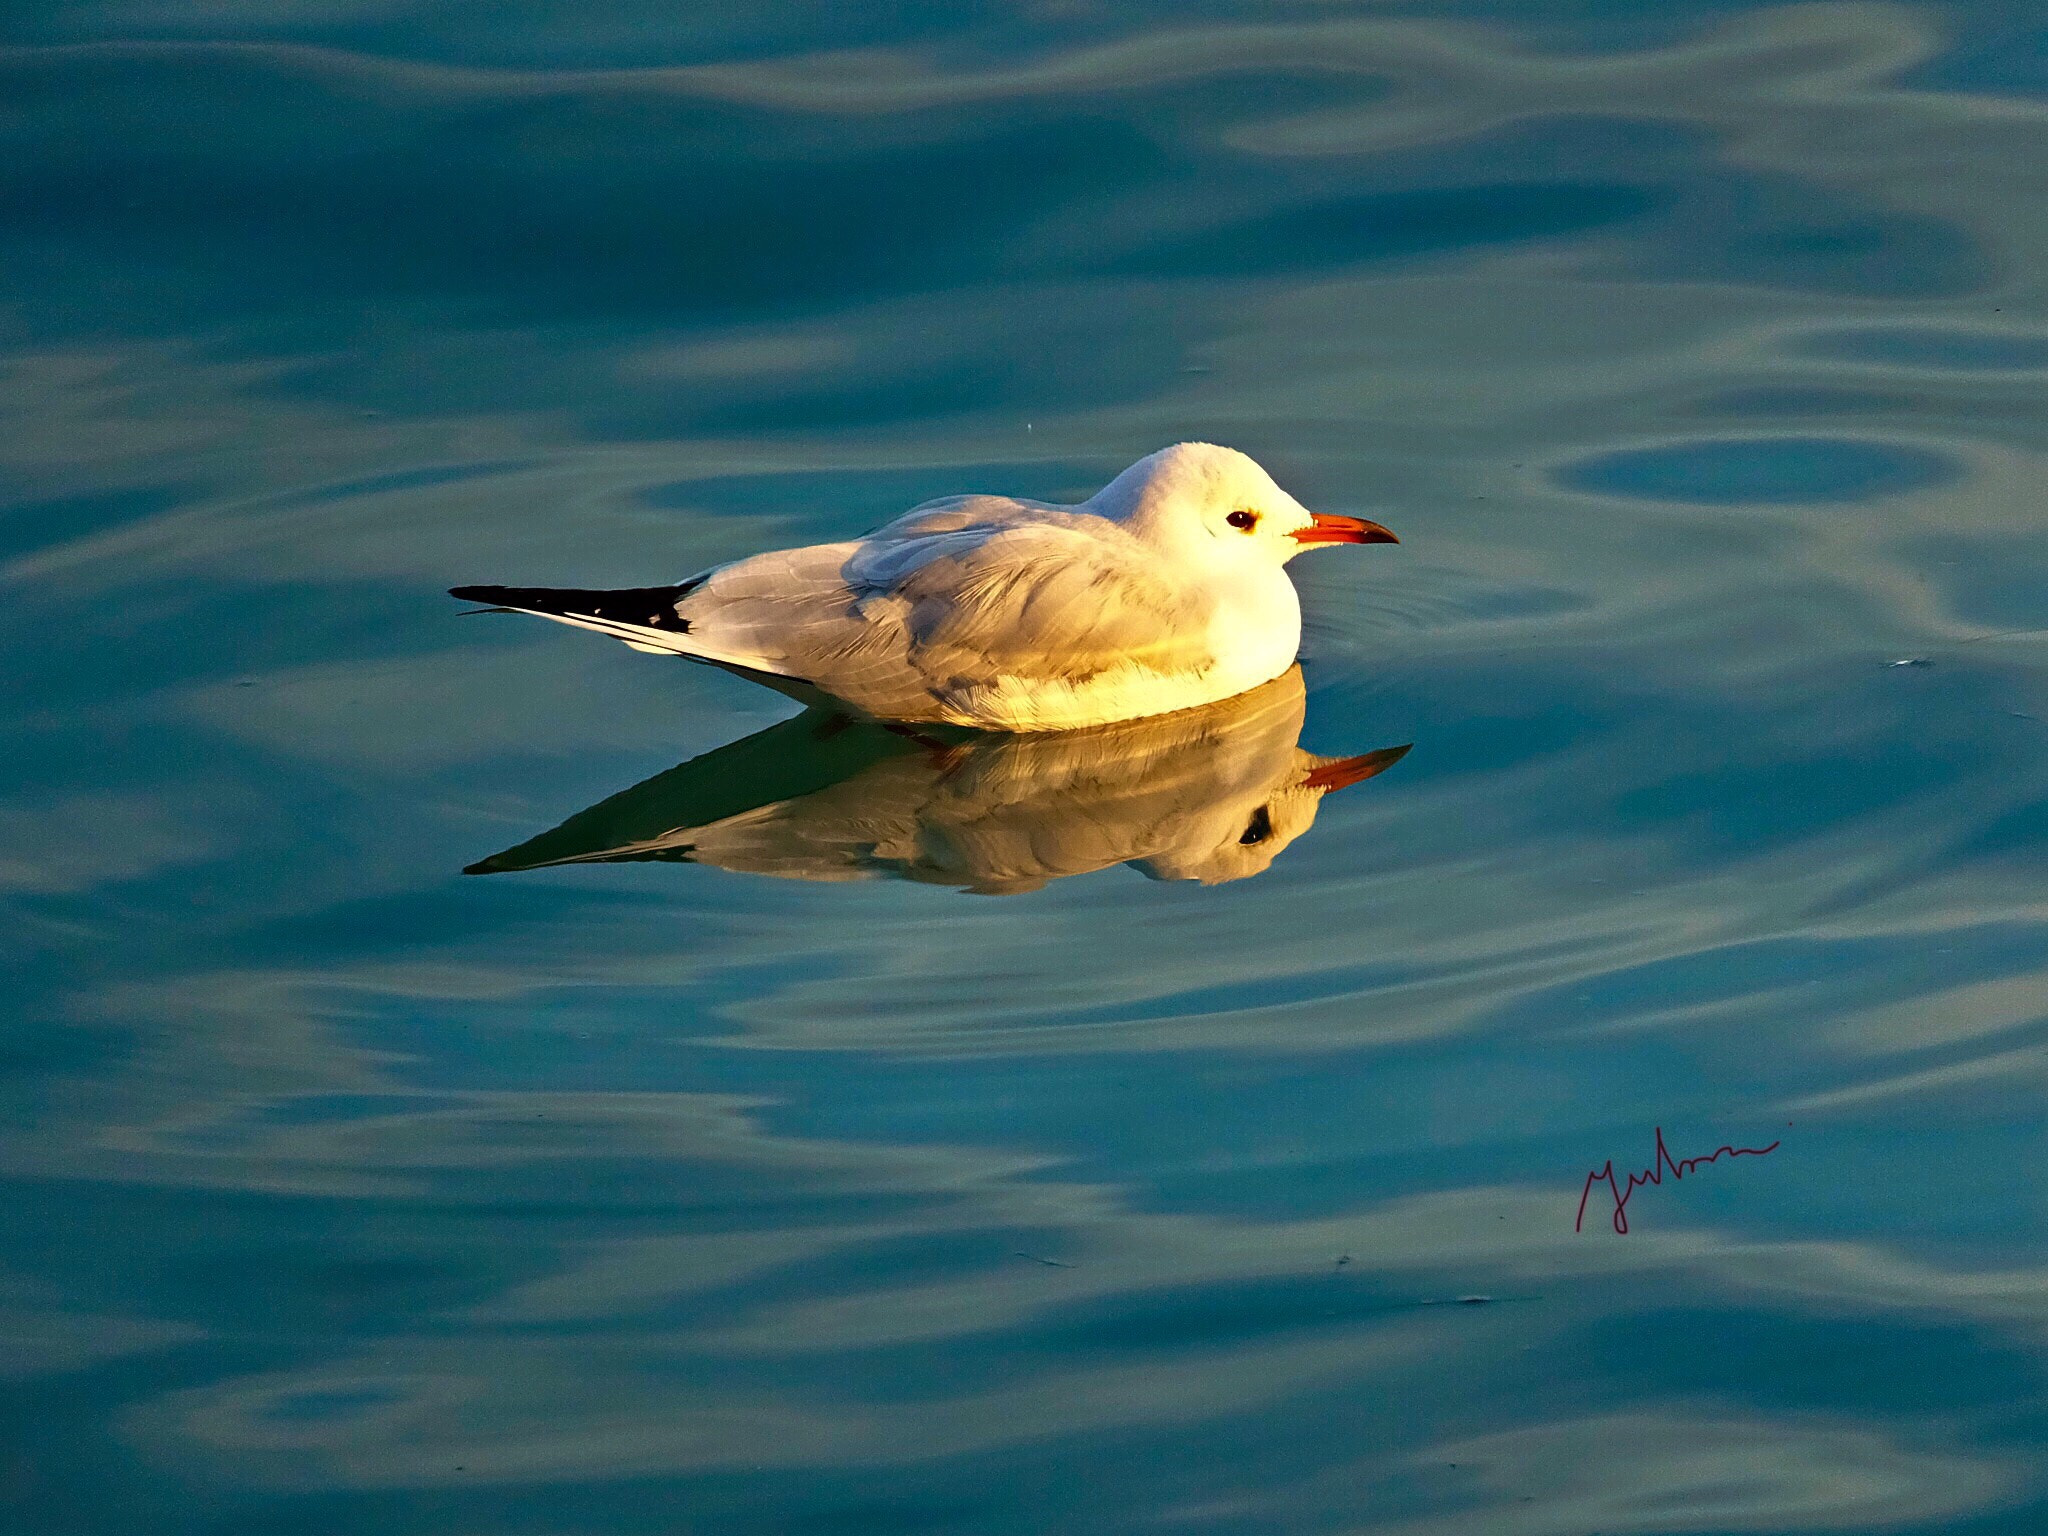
(1165, 590)
(1205, 795)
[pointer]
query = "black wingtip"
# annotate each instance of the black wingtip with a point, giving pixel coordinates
(637, 607)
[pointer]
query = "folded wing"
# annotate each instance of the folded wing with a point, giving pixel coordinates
(955, 614)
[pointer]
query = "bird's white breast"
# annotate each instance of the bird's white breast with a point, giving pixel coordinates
(1254, 632)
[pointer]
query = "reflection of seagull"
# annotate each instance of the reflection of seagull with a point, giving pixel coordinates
(1162, 591)
(1209, 794)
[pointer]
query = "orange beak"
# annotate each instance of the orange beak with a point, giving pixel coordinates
(1328, 528)
(1343, 772)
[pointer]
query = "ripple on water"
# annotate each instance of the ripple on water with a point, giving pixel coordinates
(1928, 346)
(1726, 471)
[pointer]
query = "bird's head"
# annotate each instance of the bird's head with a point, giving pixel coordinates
(1240, 836)
(1200, 500)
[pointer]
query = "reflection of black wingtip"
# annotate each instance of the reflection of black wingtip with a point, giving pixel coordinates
(505, 864)
(651, 822)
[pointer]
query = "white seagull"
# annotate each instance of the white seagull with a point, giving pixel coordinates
(1164, 590)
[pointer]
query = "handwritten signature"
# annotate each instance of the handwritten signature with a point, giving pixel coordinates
(1654, 1174)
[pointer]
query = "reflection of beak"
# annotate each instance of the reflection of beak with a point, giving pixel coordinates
(1334, 773)
(1328, 528)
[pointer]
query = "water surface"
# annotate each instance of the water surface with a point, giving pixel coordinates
(989, 1185)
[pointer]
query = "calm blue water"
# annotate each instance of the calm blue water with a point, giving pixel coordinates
(1698, 354)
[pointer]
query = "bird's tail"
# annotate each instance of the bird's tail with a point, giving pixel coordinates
(644, 617)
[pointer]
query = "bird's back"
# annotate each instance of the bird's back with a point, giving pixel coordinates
(977, 611)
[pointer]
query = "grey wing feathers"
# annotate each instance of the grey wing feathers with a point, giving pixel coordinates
(953, 514)
(947, 602)
(1027, 601)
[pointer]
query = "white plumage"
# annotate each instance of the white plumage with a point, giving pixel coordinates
(1164, 590)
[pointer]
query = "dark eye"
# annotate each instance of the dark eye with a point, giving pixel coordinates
(1242, 519)
(1258, 829)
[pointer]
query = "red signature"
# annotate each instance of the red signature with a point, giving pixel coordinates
(1654, 1174)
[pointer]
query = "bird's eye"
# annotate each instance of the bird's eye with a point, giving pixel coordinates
(1243, 519)
(1259, 828)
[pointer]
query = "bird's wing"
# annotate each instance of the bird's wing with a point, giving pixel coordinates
(952, 602)
(958, 514)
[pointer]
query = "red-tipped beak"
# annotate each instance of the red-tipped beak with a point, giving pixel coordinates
(1328, 528)
(1343, 772)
